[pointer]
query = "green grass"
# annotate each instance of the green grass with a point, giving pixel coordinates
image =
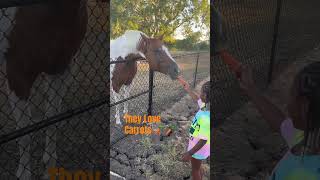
(169, 162)
(146, 142)
(166, 160)
(173, 127)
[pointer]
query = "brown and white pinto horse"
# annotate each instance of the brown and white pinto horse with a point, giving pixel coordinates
(132, 45)
(43, 38)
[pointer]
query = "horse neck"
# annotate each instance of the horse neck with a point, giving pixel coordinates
(120, 47)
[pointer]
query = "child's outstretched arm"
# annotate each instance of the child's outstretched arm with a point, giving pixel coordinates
(268, 110)
(186, 86)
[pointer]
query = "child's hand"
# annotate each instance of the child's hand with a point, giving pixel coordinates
(186, 157)
(186, 86)
(183, 83)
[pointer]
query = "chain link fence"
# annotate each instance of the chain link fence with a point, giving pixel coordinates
(194, 67)
(137, 100)
(150, 93)
(153, 92)
(298, 30)
(266, 35)
(80, 122)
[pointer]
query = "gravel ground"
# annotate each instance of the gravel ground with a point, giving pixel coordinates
(166, 93)
(139, 157)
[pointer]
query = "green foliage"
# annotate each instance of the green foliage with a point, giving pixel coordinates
(190, 44)
(156, 17)
(184, 44)
(173, 49)
(173, 126)
(161, 126)
(204, 45)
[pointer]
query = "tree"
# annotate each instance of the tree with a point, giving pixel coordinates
(189, 43)
(204, 45)
(156, 17)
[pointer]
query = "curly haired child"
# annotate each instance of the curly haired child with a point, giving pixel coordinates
(199, 142)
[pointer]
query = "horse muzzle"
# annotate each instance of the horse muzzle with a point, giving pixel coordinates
(174, 71)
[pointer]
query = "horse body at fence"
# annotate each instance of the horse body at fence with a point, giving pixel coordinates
(136, 45)
(42, 38)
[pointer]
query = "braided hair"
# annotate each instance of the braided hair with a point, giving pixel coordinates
(206, 92)
(308, 81)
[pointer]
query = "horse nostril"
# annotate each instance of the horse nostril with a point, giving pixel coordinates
(177, 69)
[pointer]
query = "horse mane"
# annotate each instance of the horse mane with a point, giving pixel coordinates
(124, 48)
(125, 44)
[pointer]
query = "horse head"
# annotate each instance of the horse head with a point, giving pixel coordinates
(158, 56)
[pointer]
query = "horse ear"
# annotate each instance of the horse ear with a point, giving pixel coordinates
(161, 37)
(144, 36)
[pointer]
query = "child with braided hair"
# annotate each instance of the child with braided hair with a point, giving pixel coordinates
(300, 129)
(199, 142)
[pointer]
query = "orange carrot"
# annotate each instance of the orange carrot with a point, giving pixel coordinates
(233, 64)
(181, 80)
(168, 132)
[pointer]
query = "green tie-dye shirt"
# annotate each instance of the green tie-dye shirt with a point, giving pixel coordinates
(200, 129)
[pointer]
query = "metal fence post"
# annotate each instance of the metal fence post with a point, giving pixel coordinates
(274, 41)
(151, 74)
(195, 72)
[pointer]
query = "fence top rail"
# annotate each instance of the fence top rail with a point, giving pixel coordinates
(190, 54)
(142, 59)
